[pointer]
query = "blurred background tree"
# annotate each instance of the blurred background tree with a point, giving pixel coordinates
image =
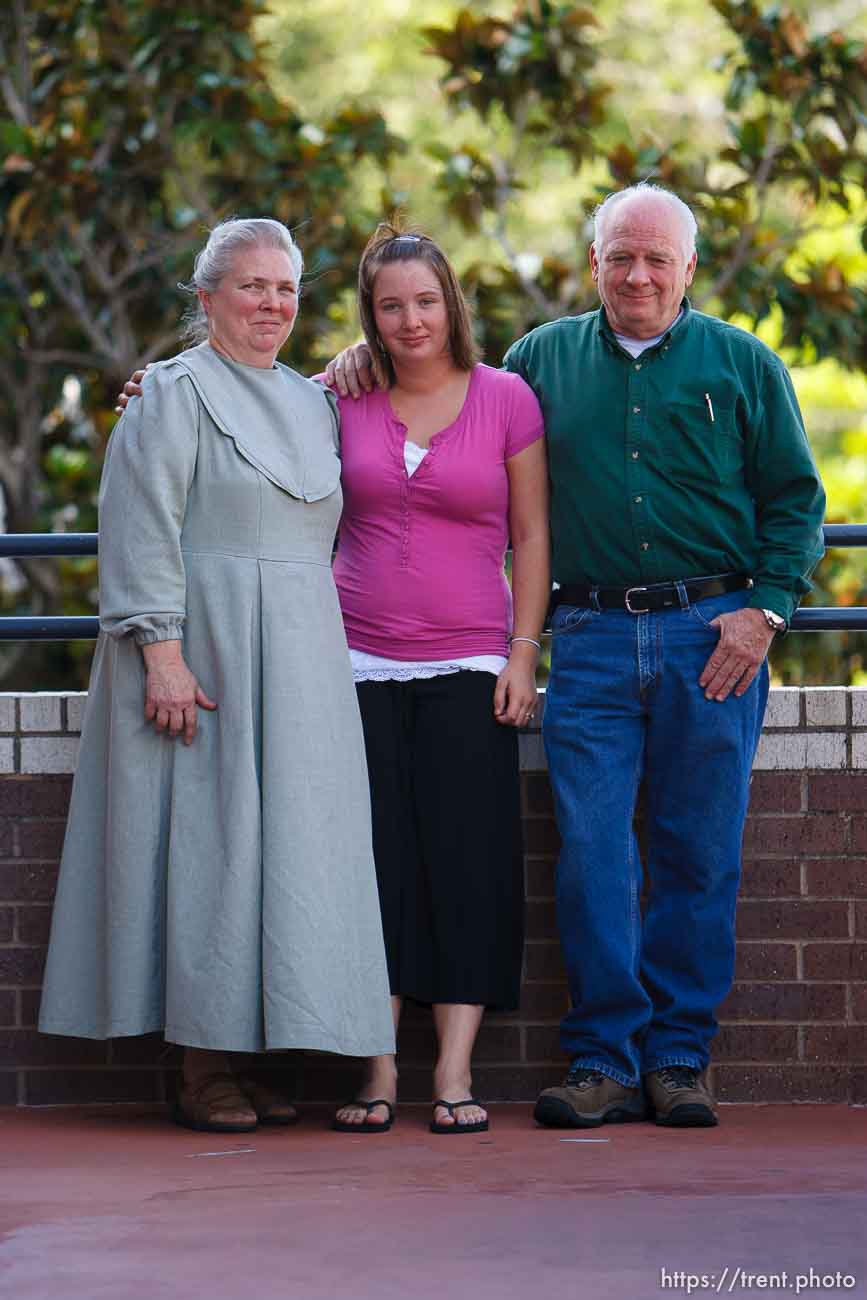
(127, 128)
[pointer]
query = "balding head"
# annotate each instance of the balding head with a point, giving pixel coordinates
(647, 195)
(643, 259)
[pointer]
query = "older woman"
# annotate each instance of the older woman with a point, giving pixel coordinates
(442, 464)
(222, 890)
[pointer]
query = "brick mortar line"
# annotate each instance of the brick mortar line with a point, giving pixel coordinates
(802, 729)
(813, 1024)
(802, 813)
(72, 1068)
(45, 735)
(741, 1062)
(28, 862)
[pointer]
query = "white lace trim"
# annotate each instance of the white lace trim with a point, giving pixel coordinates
(375, 668)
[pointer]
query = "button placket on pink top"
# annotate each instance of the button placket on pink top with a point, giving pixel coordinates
(399, 432)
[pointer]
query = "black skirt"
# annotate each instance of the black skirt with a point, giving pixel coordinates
(446, 838)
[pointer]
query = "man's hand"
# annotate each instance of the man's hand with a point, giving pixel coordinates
(743, 646)
(132, 388)
(351, 372)
(172, 694)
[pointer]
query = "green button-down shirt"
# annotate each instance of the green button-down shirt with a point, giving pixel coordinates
(690, 459)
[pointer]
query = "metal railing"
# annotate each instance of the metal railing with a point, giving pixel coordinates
(40, 545)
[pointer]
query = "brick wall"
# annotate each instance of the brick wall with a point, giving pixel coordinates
(793, 1029)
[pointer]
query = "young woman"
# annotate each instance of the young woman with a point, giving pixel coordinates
(443, 464)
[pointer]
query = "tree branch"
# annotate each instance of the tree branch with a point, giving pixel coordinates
(65, 356)
(18, 98)
(67, 285)
(743, 248)
(501, 170)
(159, 347)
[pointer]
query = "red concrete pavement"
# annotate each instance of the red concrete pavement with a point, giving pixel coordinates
(116, 1204)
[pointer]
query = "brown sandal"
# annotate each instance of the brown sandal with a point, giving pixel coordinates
(214, 1105)
(269, 1106)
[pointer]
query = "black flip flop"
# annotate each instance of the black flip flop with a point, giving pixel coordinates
(480, 1126)
(366, 1126)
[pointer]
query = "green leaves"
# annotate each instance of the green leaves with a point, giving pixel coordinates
(127, 128)
(539, 63)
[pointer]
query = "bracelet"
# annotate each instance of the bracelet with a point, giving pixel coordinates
(537, 644)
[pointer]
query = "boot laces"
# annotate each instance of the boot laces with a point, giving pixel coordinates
(674, 1077)
(582, 1078)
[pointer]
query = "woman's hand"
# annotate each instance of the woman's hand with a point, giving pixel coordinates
(515, 692)
(132, 388)
(172, 694)
(351, 372)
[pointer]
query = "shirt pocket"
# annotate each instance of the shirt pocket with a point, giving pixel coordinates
(698, 449)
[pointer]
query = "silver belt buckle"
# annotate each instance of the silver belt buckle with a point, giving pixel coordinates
(629, 608)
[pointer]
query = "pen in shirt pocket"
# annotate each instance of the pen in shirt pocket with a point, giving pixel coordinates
(709, 405)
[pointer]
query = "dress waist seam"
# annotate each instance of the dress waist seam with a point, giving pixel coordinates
(258, 559)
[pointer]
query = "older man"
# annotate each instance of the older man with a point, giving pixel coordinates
(686, 518)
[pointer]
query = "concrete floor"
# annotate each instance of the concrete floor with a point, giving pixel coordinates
(115, 1203)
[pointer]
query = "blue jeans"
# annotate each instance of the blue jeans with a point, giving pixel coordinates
(624, 707)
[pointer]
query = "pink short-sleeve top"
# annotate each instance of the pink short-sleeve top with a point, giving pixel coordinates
(419, 566)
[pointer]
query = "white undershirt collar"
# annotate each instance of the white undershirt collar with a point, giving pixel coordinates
(635, 347)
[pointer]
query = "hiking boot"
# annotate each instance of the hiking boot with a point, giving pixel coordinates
(679, 1097)
(587, 1099)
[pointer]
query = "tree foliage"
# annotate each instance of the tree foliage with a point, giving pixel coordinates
(796, 107)
(128, 127)
(796, 110)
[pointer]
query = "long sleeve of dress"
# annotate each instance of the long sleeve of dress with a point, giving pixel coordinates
(147, 475)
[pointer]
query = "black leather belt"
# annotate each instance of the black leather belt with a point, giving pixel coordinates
(655, 595)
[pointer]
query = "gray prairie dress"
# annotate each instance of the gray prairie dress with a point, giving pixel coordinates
(224, 892)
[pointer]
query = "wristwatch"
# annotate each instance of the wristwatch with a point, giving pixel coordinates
(774, 621)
